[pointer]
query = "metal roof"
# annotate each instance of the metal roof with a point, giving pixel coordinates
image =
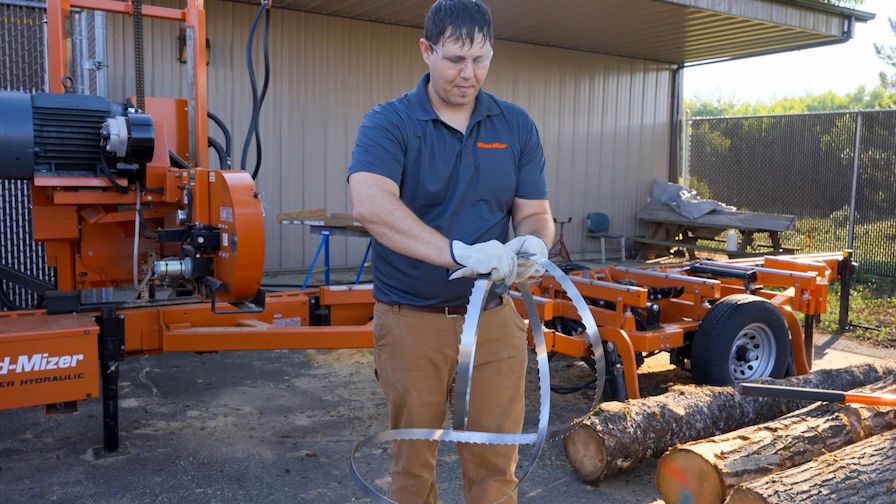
(669, 31)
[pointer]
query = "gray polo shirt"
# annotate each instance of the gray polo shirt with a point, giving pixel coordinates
(461, 184)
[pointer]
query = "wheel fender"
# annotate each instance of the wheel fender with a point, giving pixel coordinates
(797, 341)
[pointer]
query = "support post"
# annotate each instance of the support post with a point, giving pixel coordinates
(809, 338)
(846, 272)
(363, 261)
(111, 350)
(675, 131)
(326, 238)
(855, 181)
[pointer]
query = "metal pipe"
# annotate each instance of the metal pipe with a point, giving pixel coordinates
(99, 61)
(79, 20)
(46, 49)
(686, 148)
(675, 114)
(25, 3)
(190, 43)
(855, 179)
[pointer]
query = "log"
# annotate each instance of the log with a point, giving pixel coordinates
(864, 472)
(705, 471)
(617, 436)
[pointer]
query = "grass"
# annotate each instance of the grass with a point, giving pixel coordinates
(873, 243)
(872, 310)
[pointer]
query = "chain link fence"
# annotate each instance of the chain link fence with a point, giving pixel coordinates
(836, 172)
(22, 68)
(22, 46)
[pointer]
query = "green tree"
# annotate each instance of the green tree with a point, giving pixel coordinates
(861, 99)
(887, 54)
(851, 4)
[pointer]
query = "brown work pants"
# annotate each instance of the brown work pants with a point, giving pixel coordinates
(416, 359)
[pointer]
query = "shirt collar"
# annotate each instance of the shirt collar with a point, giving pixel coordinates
(485, 103)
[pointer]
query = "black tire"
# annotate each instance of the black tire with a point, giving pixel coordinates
(742, 338)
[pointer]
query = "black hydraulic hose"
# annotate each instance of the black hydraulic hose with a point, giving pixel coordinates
(564, 389)
(257, 99)
(266, 51)
(7, 301)
(106, 171)
(219, 150)
(177, 161)
(253, 84)
(228, 144)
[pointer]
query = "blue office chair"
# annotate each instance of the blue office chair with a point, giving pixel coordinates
(597, 225)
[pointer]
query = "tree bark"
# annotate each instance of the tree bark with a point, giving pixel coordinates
(705, 471)
(864, 472)
(617, 436)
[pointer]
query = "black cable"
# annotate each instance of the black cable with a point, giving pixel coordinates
(228, 147)
(7, 302)
(144, 230)
(266, 49)
(118, 187)
(253, 83)
(222, 157)
(563, 389)
(177, 161)
(257, 99)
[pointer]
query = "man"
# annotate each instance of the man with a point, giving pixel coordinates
(437, 176)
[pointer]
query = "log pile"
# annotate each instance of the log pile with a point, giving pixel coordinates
(864, 472)
(618, 436)
(706, 471)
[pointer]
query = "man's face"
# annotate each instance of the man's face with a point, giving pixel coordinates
(457, 71)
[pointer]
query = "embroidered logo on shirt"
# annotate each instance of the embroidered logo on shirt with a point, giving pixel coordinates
(493, 145)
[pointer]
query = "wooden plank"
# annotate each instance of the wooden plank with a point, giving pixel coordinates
(676, 244)
(318, 217)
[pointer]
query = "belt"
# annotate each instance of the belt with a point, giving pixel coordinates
(491, 301)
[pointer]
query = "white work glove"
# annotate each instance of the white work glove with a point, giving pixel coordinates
(525, 267)
(487, 258)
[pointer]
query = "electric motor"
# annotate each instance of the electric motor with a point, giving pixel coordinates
(71, 135)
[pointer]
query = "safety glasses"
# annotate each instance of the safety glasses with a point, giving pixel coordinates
(458, 62)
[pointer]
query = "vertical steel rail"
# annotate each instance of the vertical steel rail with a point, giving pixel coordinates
(99, 34)
(195, 21)
(855, 180)
(79, 50)
(675, 113)
(845, 274)
(57, 12)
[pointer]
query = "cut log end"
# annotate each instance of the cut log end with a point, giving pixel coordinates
(745, 496)
(586, 450)
(677, 473)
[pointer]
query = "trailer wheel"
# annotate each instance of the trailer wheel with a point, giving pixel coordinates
(742, 338)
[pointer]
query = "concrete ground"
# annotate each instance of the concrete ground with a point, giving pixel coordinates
(273, 427)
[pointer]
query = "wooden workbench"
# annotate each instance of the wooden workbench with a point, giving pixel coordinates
(668, 229)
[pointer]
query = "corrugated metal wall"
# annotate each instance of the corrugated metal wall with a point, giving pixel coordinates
(604, 121)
